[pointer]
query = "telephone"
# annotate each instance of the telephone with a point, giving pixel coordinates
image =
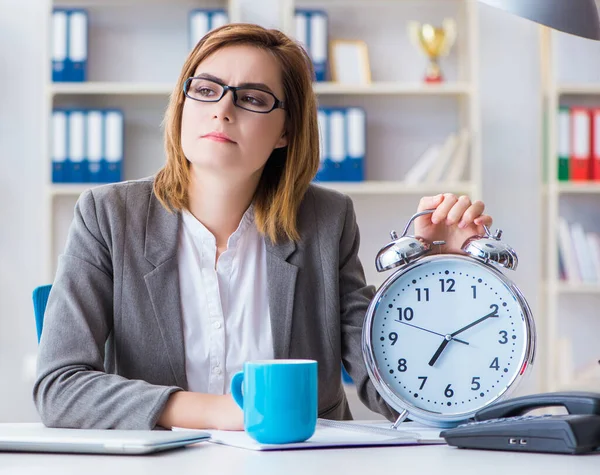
(506, 426)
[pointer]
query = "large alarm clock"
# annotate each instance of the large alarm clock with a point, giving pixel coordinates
(446, 334)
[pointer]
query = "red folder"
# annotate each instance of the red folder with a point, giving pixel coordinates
(595, 136)
(581, 157)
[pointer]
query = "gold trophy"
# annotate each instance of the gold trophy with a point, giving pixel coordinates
(435, 42)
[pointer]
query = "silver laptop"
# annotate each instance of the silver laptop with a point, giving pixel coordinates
(37, 438)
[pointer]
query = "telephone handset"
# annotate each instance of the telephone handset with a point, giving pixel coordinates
(506, 426)
(575, 402)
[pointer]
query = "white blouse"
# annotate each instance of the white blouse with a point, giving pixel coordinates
(226, 318)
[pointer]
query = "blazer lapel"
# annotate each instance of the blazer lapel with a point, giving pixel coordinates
(162, 231)
(281, 276)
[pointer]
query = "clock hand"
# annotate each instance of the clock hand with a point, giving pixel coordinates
(451, 336)
(476, 322)
(429, 331)
(442, 347)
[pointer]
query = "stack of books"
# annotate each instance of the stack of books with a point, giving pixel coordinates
(579, 253)
(445, 162)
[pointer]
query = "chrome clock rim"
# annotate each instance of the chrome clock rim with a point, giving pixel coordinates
(422, 415)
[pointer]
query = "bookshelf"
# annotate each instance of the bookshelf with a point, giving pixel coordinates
(570, 78)
(136, 49)
(377, 88)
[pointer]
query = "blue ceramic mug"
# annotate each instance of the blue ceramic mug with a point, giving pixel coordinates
(279, 399)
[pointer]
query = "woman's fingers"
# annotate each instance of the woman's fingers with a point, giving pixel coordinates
(455, 210)
(458, 211)
(441, 212)
(471, 214)
(429, 202)
(483, 220)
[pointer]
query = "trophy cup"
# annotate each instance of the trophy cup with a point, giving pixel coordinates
(435, 42)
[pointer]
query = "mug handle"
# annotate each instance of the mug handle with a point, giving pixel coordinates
(236, 389)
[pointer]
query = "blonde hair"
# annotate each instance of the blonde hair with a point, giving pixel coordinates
(290, 169)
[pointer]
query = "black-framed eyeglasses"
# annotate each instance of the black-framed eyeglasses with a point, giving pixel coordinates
(250, 99)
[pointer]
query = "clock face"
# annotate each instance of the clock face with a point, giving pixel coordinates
(448, 336)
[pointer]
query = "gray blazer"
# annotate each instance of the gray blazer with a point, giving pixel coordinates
(112, 347)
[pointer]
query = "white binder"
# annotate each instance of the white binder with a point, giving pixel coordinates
(59, 146)
(77, 45)
(76, 155)
(218, 19)
(301, 29)
(199, 26)
(203, 21)
(356, 136)
(94, 145)
(337, 145)
(113, 145)
(59, 44)
(318, 44)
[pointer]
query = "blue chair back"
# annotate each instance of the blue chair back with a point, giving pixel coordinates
(40, 299)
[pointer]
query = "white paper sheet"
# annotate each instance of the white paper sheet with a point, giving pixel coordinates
(344, 434)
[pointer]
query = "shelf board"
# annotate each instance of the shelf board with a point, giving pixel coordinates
(70, 189)
(394, 88)
(578, 288)
(577, 187)
(111, 88)
(358, 188)
(397, 187)
(323, 88)
(578, 89)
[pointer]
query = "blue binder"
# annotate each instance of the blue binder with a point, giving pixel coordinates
(76, 160)
(59, 146)
(113, 146)
(69, 45)
(322, 174)
(355, 144)
(59, 43)
(203, 20)
(338, 154)
(312, 32)
(94, 145)
(77, 46)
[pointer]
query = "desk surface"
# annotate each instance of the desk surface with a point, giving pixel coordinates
(206, 458)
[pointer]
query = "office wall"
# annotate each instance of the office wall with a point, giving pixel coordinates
(22, 46)
(509, 80)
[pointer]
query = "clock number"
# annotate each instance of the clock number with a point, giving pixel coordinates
(504, 339)
(495, 365)
(424, 378)
(475, 383)
(474, 287)
(402, 365)
(450, 283)
(408, 313)
(448, 392)
(495, 307)
(393, 337)
(426, 292)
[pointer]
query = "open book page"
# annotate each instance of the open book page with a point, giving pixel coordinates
(347, 434)
(423, 434)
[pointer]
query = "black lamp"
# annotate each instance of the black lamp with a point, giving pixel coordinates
(577, 17)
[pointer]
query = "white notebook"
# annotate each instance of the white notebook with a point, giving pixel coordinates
(339, 434)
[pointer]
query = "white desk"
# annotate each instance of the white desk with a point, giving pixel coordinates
(209, 459)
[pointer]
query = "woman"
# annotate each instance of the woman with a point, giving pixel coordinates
(167, 285)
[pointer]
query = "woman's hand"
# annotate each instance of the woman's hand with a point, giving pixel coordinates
(201, 411)
(231, 416)
(454, 220)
